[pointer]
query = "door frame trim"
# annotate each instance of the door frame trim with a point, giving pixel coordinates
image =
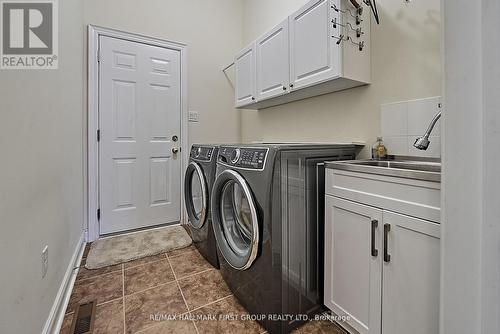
(94, 32)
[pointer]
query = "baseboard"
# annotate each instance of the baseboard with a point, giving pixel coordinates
(56, 315)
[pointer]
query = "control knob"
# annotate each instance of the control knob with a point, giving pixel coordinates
(235, 156)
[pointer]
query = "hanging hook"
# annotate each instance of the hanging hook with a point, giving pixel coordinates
(356, 5)
(360, 44)
(358, 31)
(340, 39)
(334, 7)
(344, 11)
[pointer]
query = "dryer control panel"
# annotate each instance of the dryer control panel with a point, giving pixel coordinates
(243, 157)
(202, 153)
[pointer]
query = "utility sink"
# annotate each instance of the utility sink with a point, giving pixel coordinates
(411, 169)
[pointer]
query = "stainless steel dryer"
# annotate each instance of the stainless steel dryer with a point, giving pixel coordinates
(198, 182)
(268, 222)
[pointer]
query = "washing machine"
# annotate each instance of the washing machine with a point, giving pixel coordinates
(267, 213)
(198, 182)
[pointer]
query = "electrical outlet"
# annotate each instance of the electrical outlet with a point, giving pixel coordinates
(193, 116)
(45, 260)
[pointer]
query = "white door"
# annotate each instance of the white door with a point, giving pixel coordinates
(353, 263)
(411, 276)
(314, 54)
(244, 65)
(139, 114)
(273, 66)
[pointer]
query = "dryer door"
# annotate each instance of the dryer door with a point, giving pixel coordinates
(196, 195)
(234, 219)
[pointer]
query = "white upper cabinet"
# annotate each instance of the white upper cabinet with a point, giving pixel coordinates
(273, 62)
(314, 54)
(321, 48)
(244, 64)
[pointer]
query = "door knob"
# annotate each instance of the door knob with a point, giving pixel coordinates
(175, 150)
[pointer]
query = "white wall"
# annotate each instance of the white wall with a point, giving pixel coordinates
(212, 31)
(470, 294)
(406, 64)
(41, 179)
(403, 122)
(490, 250)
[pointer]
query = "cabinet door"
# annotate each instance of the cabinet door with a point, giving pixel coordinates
(411, 277)
(314, 54)
(353, 269)
(244, 65)
(273, 66)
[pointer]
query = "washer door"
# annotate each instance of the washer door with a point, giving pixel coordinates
(234, 219)
(196, 195)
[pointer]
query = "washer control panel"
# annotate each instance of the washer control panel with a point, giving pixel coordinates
(202, 153)
(243, 157)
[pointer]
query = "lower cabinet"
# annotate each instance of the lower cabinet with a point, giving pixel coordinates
(381, 269)
(410, 293)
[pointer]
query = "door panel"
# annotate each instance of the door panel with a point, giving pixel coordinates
(160, 178)
(244, 65)
(124, 110)
(314, 55)
(352, 274)
(234, 219)
(139, 112)
(124, 183)
(411, 278)
(273, 67)
(196, 195)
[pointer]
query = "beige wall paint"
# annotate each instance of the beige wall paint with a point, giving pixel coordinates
(212, 31)
(406, 64)
(41, 180)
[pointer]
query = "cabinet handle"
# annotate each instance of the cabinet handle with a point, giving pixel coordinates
(374, 227)
(387, 256)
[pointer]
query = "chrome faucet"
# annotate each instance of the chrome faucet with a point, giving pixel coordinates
(422, 143)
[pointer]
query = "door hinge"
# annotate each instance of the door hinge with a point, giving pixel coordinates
(98, 214)
(98, 135)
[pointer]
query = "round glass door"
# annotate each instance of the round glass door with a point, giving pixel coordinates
(196, 197)
(235, 220)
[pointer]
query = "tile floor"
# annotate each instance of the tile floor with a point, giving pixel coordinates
(143, 296)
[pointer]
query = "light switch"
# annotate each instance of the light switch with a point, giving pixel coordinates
(193, 116)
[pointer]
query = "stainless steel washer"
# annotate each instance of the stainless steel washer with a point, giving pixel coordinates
(267, 219)
(198, 182)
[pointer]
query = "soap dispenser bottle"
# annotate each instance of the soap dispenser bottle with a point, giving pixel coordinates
(379, 151)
